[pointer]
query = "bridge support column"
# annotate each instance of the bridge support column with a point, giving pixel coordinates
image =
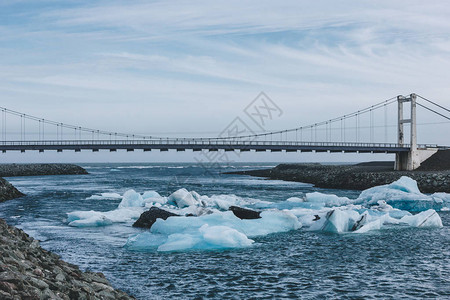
(412, 159)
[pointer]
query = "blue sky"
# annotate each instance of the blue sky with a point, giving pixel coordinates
(190, 67)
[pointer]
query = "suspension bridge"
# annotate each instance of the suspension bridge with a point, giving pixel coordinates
(355, 132)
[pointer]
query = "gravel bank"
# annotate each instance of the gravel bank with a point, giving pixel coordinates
(10, 170)
(29, 272)
(353, 177)
(432, 176)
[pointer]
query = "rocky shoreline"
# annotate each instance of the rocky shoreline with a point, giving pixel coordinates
(11, 170)
(353, 177)
(29, 272)
(9, 192)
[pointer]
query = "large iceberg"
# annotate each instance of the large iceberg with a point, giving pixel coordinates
(220, 230)
(402, 194)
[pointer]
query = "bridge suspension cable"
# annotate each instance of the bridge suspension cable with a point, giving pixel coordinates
(432, 110)
(434, 103)
(314, 126)
(59, 127)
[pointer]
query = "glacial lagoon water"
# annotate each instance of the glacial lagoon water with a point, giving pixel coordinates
(396, 261)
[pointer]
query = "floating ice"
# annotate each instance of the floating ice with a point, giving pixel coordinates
(220, 230)
(295, 200)
(341, 220)
(211, 225)
(402, 194)
(425, 219)
(182, 198)
(207, 237)
(336, 220)
(87, 219)
(95, 218)
(327, 199)
(270, 222)
(130, 208)
(105, 196)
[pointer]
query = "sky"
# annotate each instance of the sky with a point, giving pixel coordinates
(188, 68)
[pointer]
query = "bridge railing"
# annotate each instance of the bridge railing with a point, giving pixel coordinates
(210, 142)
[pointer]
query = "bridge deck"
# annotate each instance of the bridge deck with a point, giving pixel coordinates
(204, 144)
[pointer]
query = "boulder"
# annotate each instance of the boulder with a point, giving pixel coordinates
(148, 218)
(245, 213)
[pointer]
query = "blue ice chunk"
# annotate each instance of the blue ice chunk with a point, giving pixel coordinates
(402, 194)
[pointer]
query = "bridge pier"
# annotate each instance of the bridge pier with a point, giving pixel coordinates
(411, 160)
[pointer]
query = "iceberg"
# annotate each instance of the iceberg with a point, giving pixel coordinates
(182, 198)
(221, 230)
(96, 219)
(327, 199)
(402, 194)
(425, 219)
(130, 208)
(336, 221)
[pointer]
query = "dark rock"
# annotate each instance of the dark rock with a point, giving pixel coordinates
(8, 191)
(245, 213)
(10, 170)
(148, 218)
(68, 283)
(439, 161)
(353, 177)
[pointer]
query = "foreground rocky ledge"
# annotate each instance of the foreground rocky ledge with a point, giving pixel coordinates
(8, 191)
(29, 272)
(10, 170)
(354, 177)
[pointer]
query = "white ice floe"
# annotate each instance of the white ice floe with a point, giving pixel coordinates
(220, 230)
(425, 219)
(402, 194)
(327, 199)
(205, 222)
(105, 196)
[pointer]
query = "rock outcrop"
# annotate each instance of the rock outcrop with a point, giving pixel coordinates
(8, 191)
(148, 218)
(29, 272)
(245, 213)
(354, 177)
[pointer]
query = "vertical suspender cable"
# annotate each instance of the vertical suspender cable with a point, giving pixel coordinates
(385, 124)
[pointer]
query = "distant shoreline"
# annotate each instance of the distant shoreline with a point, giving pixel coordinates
(9, 192)
(353, 177)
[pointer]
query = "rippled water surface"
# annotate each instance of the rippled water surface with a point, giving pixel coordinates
(396, 263)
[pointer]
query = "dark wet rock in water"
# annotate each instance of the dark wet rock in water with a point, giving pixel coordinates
(8, 191)
(29, 272)
(148, 218)
(245, 213)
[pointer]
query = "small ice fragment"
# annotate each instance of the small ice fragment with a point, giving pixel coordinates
(131, 199)
(425, 219)
(182, 198)
(327, 199)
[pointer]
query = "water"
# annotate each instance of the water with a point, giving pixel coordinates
(396, 263)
